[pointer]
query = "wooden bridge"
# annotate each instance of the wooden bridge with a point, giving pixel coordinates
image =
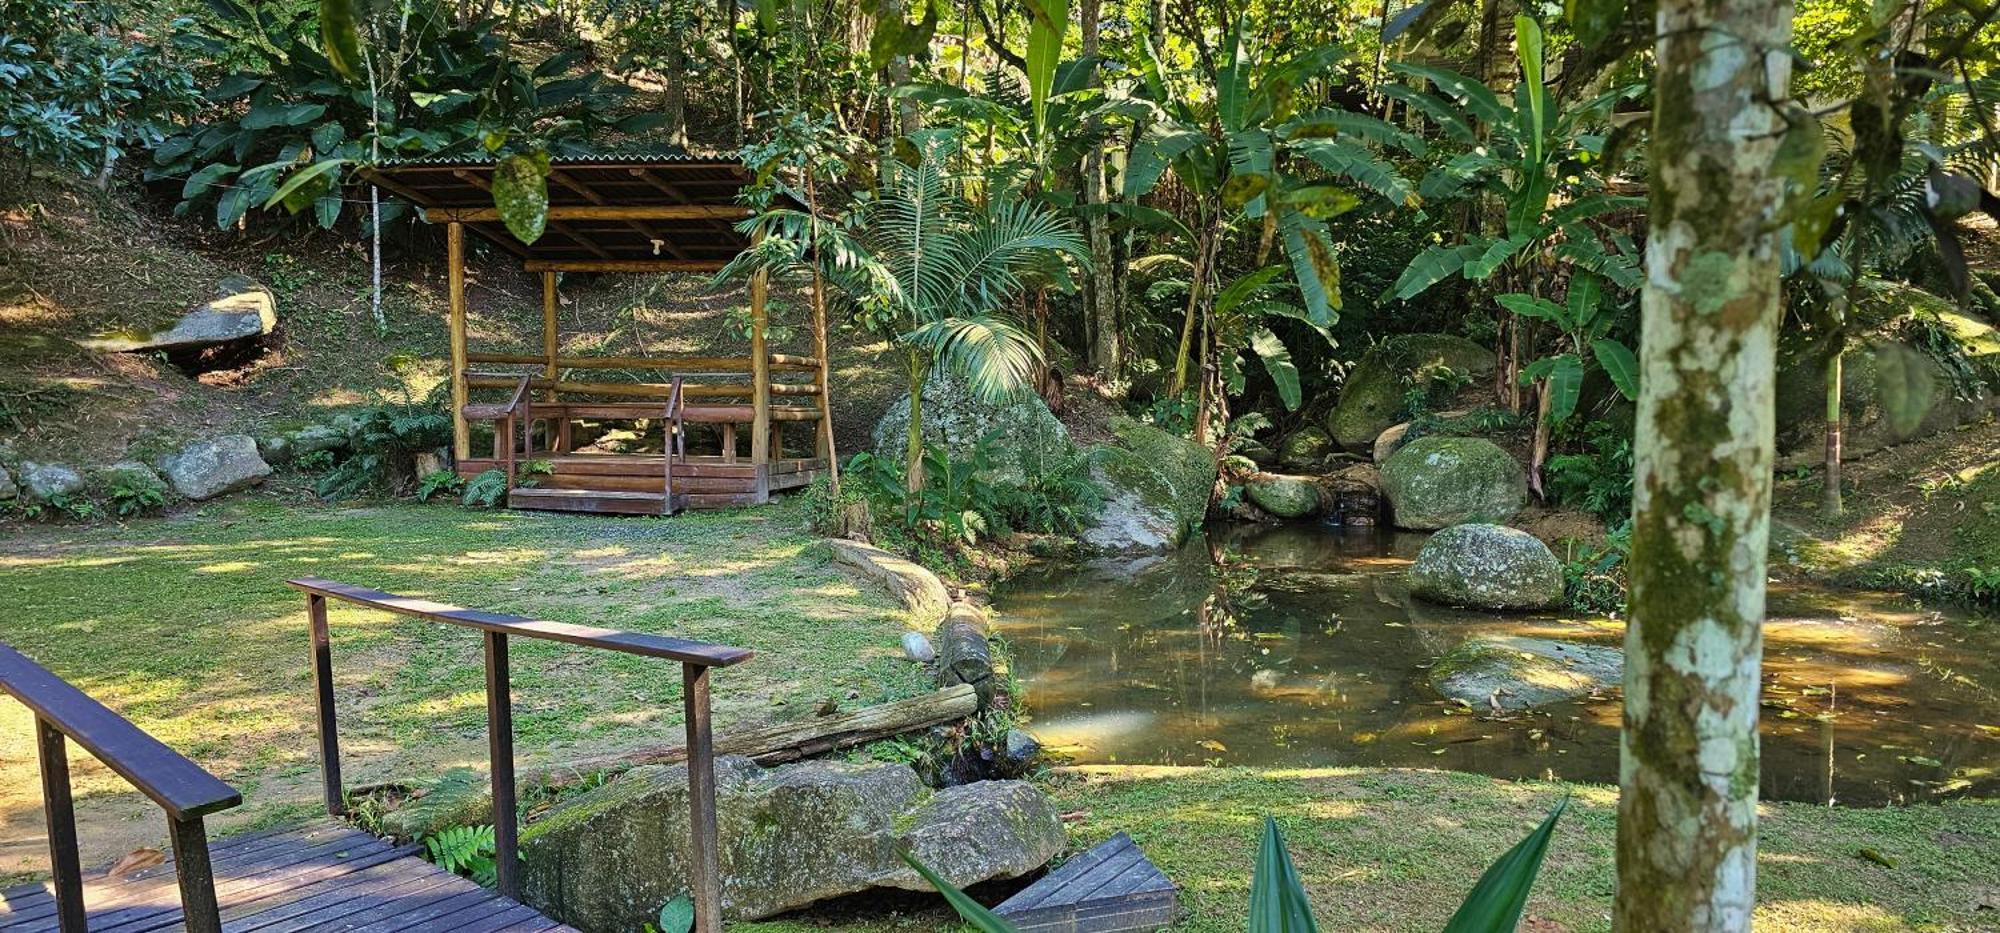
(323, 875)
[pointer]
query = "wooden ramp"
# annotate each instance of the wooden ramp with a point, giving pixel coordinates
(321, 876)
(1110, 889)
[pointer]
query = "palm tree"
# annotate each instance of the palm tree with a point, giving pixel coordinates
(924, 264)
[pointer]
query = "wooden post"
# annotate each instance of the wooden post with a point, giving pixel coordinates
(60, 816)
(199, 910)
(823, 438)
(760, 373)
(500, 740)
(548, 353)
(329, 739)
(461, 435)
(704, 865)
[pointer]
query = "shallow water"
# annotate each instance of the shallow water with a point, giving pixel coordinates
(1298, 646)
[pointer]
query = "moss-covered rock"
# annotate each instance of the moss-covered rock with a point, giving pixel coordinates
(1437, 482)
(1515, 673)
(1284, 496)
(1306, 447)
(1898, 323)
(792, 835)
(1372, 398)
(1024, 432)
(1487, 567)
(459, 797)
(1156, 489)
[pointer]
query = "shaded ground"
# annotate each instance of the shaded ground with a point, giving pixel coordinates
(184, 625)
(1396, 850)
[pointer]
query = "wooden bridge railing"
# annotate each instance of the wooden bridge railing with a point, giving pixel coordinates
(695, 659)
(181, 788)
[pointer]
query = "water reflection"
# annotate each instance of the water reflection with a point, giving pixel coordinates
(1300, 646)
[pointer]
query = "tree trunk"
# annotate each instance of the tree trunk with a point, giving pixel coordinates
(1197, 288)
(1830, 504)
(913, 450)
(1687, 809)
(1538, 453)
(675, 95)
(1100, 288)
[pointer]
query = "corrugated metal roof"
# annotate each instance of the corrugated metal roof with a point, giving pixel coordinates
(654, 157)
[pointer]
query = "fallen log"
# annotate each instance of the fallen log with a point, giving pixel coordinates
(963, 654)
(791, 741)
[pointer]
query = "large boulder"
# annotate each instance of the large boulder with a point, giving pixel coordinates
(790, 836)
(1373, 397)
(215, 466)
(8, 489)
(1305, 447)
(1437, 482)
(1510, 672)
(1024, 433)
(1284, 496)
(41, 482)
(1487, 567)
(242, 310)
(1156, 489)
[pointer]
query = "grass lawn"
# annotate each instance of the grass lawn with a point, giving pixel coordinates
(184, 624)
(1396, 850)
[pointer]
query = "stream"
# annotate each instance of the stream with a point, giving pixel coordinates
(1299, 646)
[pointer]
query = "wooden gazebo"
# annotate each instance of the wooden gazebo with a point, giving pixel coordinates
(648, 214)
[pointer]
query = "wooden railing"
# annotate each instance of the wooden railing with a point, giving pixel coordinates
(696, 658)
(181, 788)
(673, 447)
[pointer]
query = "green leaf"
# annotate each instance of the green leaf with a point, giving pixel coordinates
(1494, 904)
(1331, 123)
(1809, 227)
(1586, 295)
(205, 178)
(968, 909)
(1905, 385)
(1477, 97)
(1434, 265)
(327, 137)
(1049, 20)
(1565, 386)
(1241, 189)
(1359, 164)
(1529, 306)
(1447, 117)
(1156, 150)
(1232, 79)
(305, 186)
(339, 33)
(1594, 21)
(1314, 264)
(677, 915)
(1533, 118)
(521, 193)
(1800, 151)
(1278, 902)
(1320, 200)
(1620, 364)
(326, 210)
(1278, 362)
(267, 116)
(1495, 256)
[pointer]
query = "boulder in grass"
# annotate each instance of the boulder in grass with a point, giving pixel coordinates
(1283, 496)
(1487, 567)
(792, 835)
(1510, 673)
(242, 310)
(41, 482)
(1437, 482)
(8, 489)
(215, 466)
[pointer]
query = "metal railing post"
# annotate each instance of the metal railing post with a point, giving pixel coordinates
(197, 878)
(329, 737)
(500, 738)
(704, 864)
(61, 815)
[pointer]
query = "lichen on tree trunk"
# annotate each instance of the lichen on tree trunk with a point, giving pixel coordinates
(1687, 817)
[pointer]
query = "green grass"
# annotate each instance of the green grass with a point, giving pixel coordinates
(184, 624)
(1397, 850)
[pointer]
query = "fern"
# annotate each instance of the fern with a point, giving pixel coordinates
(465, 850)
(485, 490)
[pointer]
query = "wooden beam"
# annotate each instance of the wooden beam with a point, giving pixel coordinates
(624, 265)
(660, 240)
(548, 332)
(457, 216)
(454, 253)
(557, 212)
(671, 191)
(760, 370)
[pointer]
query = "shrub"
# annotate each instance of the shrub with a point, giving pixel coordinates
(446, 482)
(386, 439)
(465, 850)
(486, 490)
(74, 94)
(1598, 481)
(131, 495)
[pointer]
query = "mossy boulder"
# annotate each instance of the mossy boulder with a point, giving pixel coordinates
(1437, 482)
(1487, 567)
(1372, 399)
(42, 482)
(1156, 488)
(1511, 672)
(1893, 389)
(1024, 433)
(460, 797)
(607, 859)
(1305, 447)
(1284, 496)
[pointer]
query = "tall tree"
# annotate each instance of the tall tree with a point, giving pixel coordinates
(1100, 292)
(1687, 811)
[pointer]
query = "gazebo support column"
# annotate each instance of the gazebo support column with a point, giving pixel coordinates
(823, 438)
(548, 355)
(461, 436)
(760, 386)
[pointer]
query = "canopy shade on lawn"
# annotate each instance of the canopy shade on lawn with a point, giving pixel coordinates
(637, 213)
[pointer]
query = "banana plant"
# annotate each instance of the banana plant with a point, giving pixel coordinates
(1253, 159)
(1586, 326)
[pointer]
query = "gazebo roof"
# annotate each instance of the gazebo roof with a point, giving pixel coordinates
(611, 213)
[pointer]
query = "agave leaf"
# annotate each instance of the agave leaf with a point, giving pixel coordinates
(968, 909)
(1494, 904)
(1278, 902)
(521, 193)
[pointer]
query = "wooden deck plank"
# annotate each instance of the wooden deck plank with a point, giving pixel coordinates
(1111, 888)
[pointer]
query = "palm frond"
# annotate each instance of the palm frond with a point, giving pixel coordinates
(996, 357)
